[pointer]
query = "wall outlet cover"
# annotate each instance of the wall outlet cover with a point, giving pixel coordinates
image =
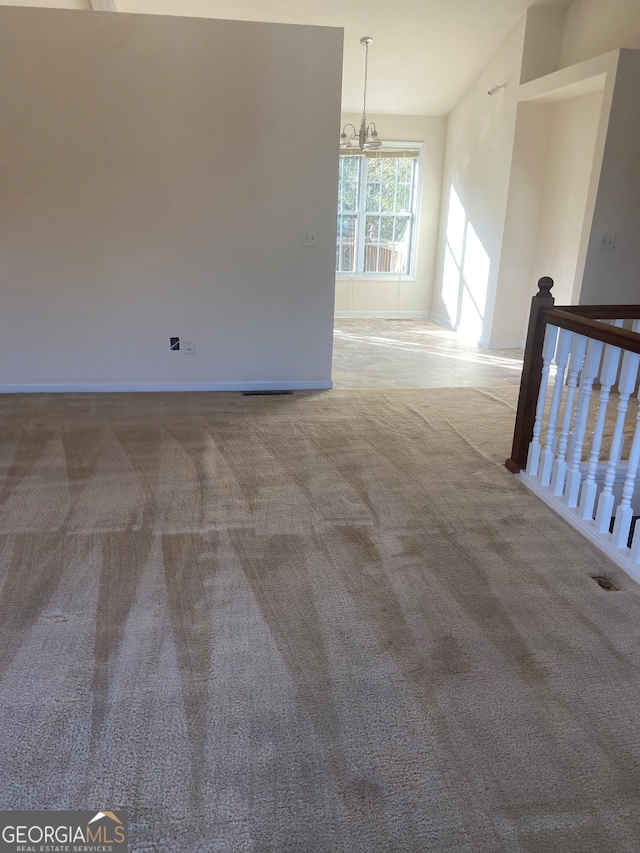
(309, 237)
(188, 346)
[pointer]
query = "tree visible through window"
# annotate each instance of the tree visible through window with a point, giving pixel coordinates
(376, 212)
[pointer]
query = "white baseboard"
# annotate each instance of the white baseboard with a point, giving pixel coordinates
(84, 388)
(619, 556)
(483, 341)
(385, 315)
(501, 343)
(443, 321)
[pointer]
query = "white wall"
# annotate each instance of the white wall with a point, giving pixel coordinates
(395, 296)
(154, 185)
(525, 177)
(477, 171)
(50, 4)
(542, 41)
(612, 277)
(572, 142)
(516, 276)
(551, 175)
(593, 27)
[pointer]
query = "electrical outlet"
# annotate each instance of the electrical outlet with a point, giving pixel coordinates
(174, 343)
(608, 241)
(189, 345)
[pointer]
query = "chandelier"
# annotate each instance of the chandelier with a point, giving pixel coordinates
(366, 137)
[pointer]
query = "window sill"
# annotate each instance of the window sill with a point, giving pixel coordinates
(374, 276)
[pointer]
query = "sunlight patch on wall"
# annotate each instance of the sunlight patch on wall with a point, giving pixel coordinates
(465, 275)
(456, 222)
(451, 285)
(475, 278)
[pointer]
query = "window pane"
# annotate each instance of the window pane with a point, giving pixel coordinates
(349, 168)
(386, 244)
(388, 201)
(403, 197)
(373, 196)
(396, 184)
(345, 250)
(388, 197)
(402, 228)
(348, 184)
(345, 257)
(405, 169)
(401, 247)
(348, 198)
(386, 229)
(347, 228)
(389, 169)
(374, 170)
(371, 243)
(370, 257)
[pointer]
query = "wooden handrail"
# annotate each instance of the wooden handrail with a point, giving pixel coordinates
(580, 319)
(603, 312)
(624, 338)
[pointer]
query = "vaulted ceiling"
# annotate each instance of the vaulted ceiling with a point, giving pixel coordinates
(425, 53)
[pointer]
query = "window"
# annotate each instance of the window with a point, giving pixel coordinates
(377, 199)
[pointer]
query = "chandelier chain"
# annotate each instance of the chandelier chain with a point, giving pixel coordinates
(366, 72)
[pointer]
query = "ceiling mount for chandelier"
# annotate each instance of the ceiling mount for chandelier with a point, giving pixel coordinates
(366, 137)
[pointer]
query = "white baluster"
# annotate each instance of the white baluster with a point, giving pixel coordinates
(624, 513)
(589, 373)
(626, 384)
(635, 544)
(576, 359)
(535, 448)
(562, 355)
(620, 323)
(608, 375)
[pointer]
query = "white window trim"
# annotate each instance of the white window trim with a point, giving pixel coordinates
(399, 276)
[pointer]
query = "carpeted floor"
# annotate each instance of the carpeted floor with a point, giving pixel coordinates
(325, 622)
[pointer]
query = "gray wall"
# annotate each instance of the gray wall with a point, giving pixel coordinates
(156, 175)
(612, 277)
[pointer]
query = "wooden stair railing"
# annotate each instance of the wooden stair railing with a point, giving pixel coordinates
(576, 441)
(580, 319)
(531, 377)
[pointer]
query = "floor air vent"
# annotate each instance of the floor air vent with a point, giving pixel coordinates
(267, 393)
(605, 583)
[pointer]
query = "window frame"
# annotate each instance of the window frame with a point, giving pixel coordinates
(362, 218)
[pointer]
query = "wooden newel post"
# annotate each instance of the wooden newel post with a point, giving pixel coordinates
(531, 377)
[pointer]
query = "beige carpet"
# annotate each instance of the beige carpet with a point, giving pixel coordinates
(326, 622)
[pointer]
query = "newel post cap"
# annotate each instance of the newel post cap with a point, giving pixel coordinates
(544, 287)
